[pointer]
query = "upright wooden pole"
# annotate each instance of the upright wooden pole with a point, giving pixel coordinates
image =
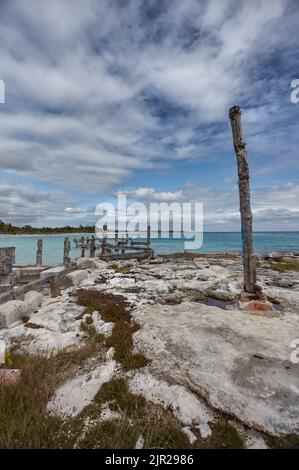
(66, 252)
(82, 247)
(39, 253)
(92, 247)
(104, 240)
(148, 236)
(116, 240)
(245, 208)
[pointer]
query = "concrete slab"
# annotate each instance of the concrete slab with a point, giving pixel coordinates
(52, 272)
(74, 279)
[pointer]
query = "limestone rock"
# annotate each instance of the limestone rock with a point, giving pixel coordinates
(52, 272)
(11, 312)
(76, 277)
(73, 396)
(240, 363)
(33, 300)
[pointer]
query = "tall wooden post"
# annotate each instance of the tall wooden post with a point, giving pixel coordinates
(104, 240)
(148, 236)
(39, 254)
(66, 252)
(82, 247)
(92, 247)
(116, 240)
(249, 263)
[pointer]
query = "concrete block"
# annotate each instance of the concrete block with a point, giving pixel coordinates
(52, 272)
(11, 312)
(74, 279)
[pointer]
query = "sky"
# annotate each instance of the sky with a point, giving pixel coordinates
(104, 96)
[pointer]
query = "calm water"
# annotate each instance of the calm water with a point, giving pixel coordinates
(265, 242)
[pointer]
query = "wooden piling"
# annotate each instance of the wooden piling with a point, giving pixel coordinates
(66, 252)
(83, 247)
(116, 241)
(249, 263)
(92, 247)
(104, 241)
(39, 254)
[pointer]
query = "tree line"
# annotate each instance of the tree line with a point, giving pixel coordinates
(9, 229)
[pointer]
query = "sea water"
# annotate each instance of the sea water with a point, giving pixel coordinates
(230, 242)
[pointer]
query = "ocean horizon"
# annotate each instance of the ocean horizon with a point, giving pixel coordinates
(213, 242)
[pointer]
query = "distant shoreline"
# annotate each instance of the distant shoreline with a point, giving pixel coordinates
(43, 234)
(48, 234)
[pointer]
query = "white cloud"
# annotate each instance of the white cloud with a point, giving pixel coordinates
(99, 91)
(150, 194)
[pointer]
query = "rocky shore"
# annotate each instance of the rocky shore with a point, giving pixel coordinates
(208, 356)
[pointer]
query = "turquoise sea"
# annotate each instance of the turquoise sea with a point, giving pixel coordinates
(265, 242)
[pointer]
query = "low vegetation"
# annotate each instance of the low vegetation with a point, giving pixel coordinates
(25, 422)
(121, 270)
(288, 442)
(283, 267)
(225, 436)
(112, 309)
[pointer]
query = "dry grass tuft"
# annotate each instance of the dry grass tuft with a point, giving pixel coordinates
(225, 436)
(24, 422)
(283, 267)
(112, 309)
(116, 393)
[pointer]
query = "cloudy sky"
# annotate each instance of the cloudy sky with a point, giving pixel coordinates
(133, 95)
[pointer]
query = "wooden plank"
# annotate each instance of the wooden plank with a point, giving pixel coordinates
(125, 256)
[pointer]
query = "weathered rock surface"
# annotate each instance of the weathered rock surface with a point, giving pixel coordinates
(73, 396)
(203, 358)
(12, 311)
(75, 278)
(52, 272)
(188, 408)
(238, 362)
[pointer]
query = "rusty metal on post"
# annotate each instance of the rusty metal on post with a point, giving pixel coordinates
(39, 254)
(249, 263)
(82, 247)
(66, 252)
